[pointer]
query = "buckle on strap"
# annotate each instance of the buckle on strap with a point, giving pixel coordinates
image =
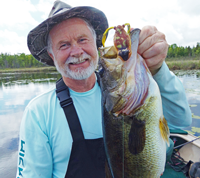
(63, 96)
(66, 102)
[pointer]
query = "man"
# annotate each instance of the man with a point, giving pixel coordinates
(50, 143)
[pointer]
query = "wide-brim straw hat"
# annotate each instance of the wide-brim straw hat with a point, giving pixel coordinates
(37, 38)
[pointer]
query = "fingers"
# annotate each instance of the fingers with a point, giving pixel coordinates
(146, 32)
(152, 47)
(148, 38)
(159, 48)
(155, 56)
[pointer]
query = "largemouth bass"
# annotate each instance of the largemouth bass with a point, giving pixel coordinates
(134, 128)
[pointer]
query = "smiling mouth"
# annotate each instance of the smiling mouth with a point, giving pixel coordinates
(79, 62)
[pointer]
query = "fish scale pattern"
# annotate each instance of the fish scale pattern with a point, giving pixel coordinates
(148, 163)
(133, 141)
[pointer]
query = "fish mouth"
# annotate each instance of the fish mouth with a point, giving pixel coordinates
(120, 79)
(125, 79)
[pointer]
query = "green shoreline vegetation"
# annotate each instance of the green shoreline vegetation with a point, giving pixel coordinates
(178, 58)
(31, 69)
(183, 64)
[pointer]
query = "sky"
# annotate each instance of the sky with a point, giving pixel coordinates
(179, 20)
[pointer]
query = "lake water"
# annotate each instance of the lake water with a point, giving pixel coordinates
(17, 89)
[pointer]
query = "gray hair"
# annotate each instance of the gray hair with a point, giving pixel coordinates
(49, 40)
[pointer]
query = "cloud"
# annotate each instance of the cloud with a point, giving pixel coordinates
(48, 4)
(14, 12)
(180, 28)
(177, 19)
(15, 23)
(189, 7)
(12, 42)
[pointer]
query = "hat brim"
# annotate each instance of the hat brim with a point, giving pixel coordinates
(37, 38)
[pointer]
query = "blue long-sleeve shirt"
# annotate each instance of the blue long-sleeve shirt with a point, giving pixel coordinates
(175, 106)
(45, 139)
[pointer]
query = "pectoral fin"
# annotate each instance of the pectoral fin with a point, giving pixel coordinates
(137, 136)
(164, 129)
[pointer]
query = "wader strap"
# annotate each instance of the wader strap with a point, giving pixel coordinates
(66, 102)
(62, 92)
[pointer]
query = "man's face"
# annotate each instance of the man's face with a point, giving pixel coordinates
(74, 49)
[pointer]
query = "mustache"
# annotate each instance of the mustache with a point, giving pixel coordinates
(83, 57)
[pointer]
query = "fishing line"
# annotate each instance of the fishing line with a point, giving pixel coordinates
(186, 143)
(123, 147)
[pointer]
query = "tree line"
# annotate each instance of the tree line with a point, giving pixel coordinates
(23, 60)
(18, 61)
(179, 51)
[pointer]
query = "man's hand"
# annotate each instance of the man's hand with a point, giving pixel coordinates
(152, 47)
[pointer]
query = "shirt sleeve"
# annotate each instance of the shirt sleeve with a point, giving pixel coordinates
(34, 155)
(175, 105)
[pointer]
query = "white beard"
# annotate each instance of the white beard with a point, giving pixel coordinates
(80, 73)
